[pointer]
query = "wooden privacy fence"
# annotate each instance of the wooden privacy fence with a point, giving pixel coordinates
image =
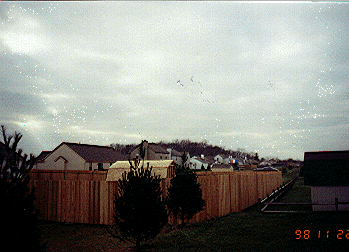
(89, 199)
(68, 175)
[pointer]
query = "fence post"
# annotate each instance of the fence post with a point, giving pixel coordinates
(336, 203)
(259, 204)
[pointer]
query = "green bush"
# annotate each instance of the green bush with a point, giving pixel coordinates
(18, 216)
(184, 196)
(140, 213)
(284, 170)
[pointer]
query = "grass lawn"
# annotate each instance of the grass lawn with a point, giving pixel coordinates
(299, 193)
(249, 230)
(62, 237)
(254, 231)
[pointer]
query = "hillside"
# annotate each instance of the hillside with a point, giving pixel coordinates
(194, 148)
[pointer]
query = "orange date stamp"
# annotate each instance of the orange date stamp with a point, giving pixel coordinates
(306, 234)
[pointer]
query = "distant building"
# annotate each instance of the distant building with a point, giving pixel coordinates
(152, 151)
(196, 163)
(74, 156)
(176, 156)
(41, 157)
(223, 159)
(328, 175)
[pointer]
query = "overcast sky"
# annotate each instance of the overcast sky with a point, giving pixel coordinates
(269, 77)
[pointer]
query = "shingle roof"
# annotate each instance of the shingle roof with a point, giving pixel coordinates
(325, 155)
(157, 148)
(42, 156)
(326, 168)
(209, 160)
(176, 153)
(96, 153)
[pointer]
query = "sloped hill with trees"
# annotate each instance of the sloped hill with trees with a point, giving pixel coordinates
(194, 148)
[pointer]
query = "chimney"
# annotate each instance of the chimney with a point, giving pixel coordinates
(145, 146)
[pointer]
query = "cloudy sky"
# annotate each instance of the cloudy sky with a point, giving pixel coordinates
(269, 77)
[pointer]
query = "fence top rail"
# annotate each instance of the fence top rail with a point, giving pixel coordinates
(66, 171)
(203, 173)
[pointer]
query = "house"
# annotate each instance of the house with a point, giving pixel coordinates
(196, 163)
(218, 159)
(327, 173)
(177, 156)
(223, 159)
(152, 151)
(164, 168)
(41, 156)
(74, 156)
(237, 163)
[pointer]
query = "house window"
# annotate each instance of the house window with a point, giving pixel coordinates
(90, 167)
(100, 166)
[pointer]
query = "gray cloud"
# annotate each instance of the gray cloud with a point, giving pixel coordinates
(267, 77)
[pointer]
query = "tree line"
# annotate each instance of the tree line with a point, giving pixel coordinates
(193, 148)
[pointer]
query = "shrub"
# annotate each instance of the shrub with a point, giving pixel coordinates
(19, 230)
(184, 196)
(140, 213)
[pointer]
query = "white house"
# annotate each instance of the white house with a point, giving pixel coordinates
(223, 159)
(196, 163)
(73, 156)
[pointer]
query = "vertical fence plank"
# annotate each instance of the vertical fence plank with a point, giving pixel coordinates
(50, 200)
(111, 194)
(57, 175)
(103, 206)
(232, 182)
(77, 202)
(84, 201)
(97, 204)
(65, 202)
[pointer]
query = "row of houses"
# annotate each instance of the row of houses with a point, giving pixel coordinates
(327, 173)
(76, 156)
